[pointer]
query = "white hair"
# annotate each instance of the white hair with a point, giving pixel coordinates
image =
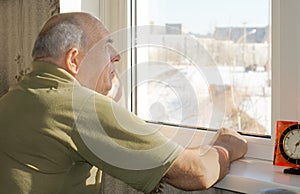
(59, 39)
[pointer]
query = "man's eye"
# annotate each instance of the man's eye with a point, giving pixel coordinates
(110, 41)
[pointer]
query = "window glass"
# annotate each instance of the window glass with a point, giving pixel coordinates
(204, 63)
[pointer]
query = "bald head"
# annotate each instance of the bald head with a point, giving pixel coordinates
(65, 31)
(79, 43)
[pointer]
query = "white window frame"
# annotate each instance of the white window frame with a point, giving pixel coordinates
(285, 61)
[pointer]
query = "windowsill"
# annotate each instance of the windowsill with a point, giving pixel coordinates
(251, 175)
(248, 175)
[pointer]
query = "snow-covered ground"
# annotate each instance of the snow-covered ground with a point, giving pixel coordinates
(183, 94)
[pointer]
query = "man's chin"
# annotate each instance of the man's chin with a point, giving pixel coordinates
(104, 91)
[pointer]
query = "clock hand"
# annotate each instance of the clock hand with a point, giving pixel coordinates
(296, 145)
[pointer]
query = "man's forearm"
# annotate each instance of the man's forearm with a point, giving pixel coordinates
(196, 169)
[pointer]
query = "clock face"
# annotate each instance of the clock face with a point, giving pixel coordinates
(289, 144)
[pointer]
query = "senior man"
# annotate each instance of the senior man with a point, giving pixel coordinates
(57, 123)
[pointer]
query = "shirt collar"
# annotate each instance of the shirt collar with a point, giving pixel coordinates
(48, 67)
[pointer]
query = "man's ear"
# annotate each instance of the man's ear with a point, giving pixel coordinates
(72, 61)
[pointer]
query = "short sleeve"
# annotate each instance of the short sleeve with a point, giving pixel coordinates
(121, 144)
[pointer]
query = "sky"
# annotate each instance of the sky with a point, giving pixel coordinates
(201, 16)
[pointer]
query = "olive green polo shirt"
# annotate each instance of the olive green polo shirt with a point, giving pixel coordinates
(52, 131)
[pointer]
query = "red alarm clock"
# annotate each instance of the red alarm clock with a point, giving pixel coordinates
(287, 146)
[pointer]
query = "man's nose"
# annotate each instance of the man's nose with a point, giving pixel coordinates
(116, 57)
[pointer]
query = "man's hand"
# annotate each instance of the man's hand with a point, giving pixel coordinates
(193, 171)
(116, 91)
(234, 143)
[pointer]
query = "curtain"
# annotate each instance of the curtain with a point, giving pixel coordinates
(20, 22)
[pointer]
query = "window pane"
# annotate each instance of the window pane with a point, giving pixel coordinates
(204, 63)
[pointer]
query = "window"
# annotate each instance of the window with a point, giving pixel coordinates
(203, 65)
(284, 28)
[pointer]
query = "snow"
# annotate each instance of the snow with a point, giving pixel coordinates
(182, 94)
